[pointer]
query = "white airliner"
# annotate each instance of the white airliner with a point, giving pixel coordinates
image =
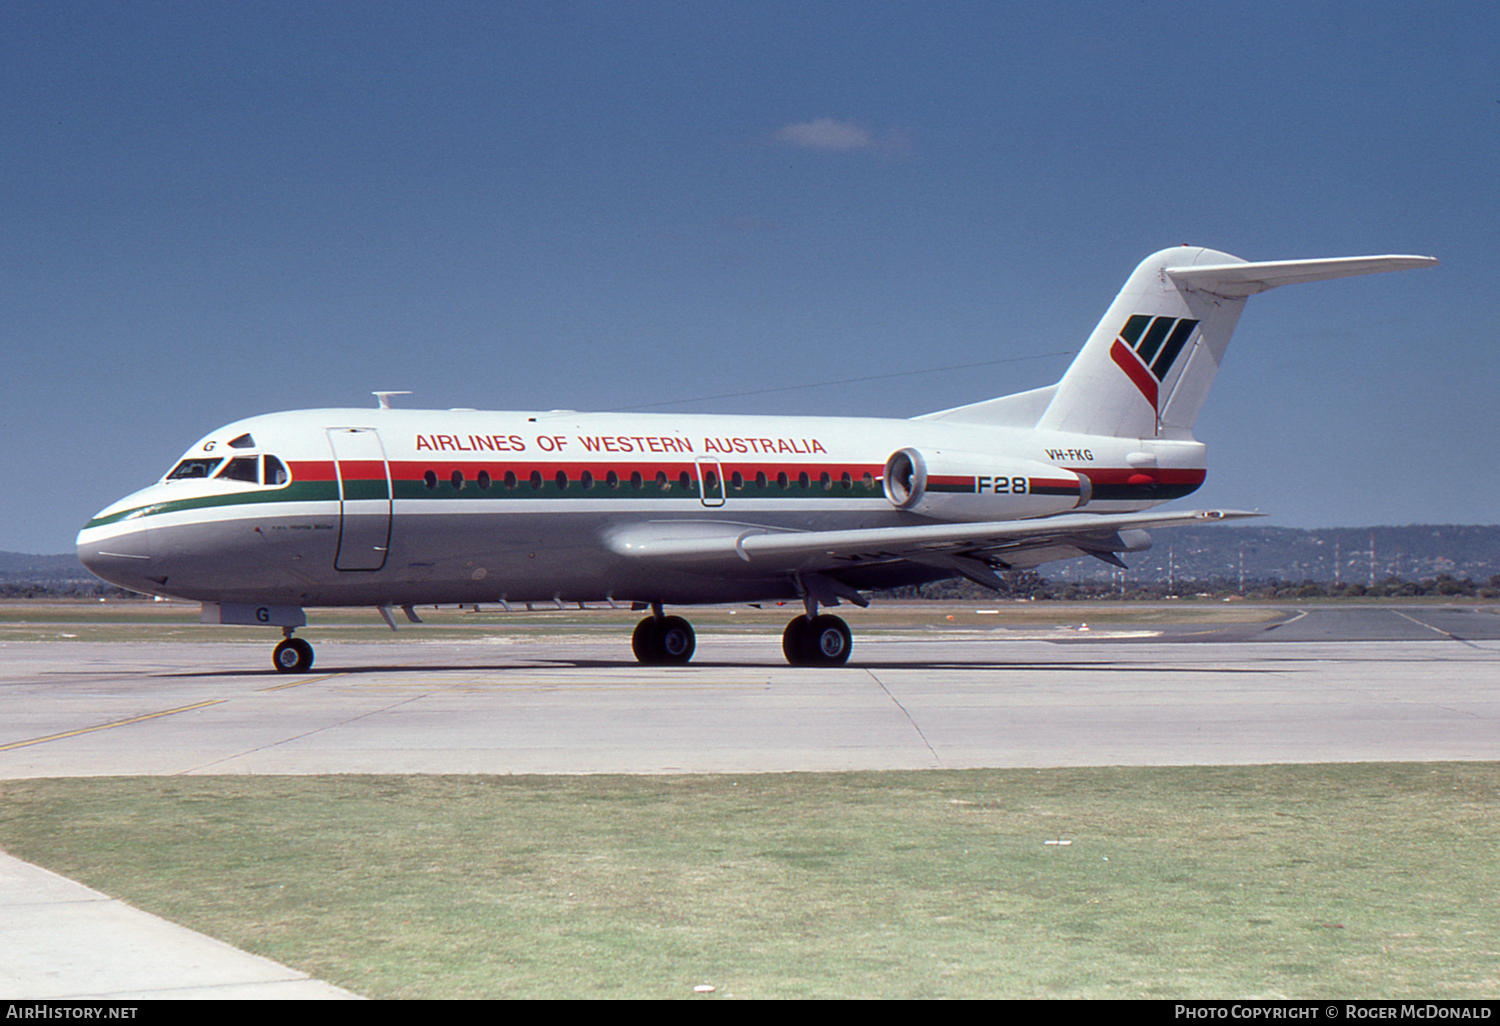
(397, 508)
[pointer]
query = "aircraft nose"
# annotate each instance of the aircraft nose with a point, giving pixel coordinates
(123, 558)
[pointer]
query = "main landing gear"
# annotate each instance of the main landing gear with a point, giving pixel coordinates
(823, 640)
(663, 640)
(293, 655)
(811, 640)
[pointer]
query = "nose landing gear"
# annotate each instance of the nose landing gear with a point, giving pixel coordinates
(293, 655)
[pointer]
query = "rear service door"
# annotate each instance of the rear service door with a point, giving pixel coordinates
(364, 479)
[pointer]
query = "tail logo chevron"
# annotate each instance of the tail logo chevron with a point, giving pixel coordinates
(1147, 347)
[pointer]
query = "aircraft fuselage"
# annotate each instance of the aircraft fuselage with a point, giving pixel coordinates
(420, 506)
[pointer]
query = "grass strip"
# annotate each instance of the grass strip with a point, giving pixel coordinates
(1352, 880)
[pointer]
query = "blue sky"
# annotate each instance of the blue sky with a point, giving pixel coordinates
(213, 210)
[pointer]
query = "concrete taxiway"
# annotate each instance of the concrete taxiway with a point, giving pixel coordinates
(1317, 685)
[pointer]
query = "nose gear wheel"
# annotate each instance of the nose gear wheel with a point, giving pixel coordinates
(292, 656)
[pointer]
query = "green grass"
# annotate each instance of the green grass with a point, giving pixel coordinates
(1353, 880)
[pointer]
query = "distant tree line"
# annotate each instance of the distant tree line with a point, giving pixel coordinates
(64, 590)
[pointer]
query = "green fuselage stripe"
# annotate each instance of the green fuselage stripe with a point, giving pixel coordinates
(327, 491)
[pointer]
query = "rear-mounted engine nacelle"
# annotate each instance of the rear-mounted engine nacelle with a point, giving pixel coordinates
(964, 486)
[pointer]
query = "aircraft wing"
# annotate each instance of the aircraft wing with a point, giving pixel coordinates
(974, 550)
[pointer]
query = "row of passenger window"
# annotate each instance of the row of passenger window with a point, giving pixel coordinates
(636, 481)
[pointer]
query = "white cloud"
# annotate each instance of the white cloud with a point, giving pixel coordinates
(832, 136)
(826, 134)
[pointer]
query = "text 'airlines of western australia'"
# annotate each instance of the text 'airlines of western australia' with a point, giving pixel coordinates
(395, 508)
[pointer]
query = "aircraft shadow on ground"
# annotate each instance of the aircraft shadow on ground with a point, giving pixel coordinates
(647, 672)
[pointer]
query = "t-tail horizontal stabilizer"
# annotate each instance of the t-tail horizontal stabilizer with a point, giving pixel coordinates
(1147, 367)
(1239, 280)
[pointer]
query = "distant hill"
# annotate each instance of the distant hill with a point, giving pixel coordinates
(27, 576)
(1350, 555)
(28, 569)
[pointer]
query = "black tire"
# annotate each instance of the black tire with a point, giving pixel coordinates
(791, 641)
(669, 641)
(826, 641)
(292, 656)
(640, 641)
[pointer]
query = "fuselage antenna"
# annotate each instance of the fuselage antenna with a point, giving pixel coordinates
(384, 398)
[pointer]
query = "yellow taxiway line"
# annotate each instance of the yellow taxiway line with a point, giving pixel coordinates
(107, 726)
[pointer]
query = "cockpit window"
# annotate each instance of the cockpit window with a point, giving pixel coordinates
(191, 468)
(242, 442)
(239, 468)
(242, 468)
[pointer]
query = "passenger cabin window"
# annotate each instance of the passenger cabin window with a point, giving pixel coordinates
(191, 468)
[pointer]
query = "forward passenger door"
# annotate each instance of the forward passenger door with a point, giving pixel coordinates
(364, 481)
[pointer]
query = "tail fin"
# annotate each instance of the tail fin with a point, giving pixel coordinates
(1146, 369)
